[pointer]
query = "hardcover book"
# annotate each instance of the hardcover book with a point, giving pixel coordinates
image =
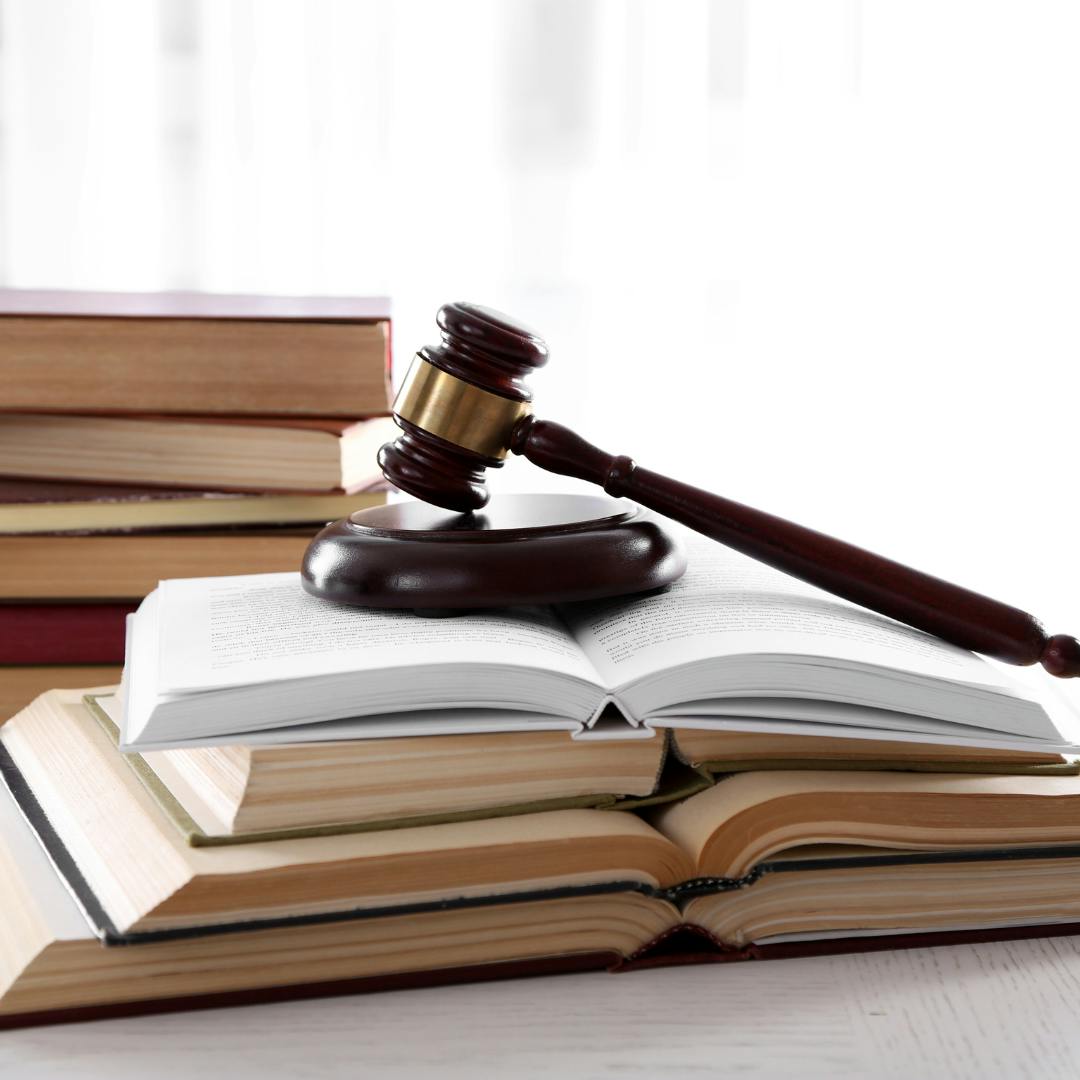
(267, 789)
(205, 453)
(123, 915)
(58, 508)
(62, 633)
(732, 646)
(193, 353)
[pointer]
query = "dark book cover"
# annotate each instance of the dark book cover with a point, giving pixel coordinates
(63, 633)
(36, 492)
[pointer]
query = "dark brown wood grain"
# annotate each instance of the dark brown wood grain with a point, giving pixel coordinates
(489, 350)
(429, 468)
(928, 603)
(493, 351)
(523, 549)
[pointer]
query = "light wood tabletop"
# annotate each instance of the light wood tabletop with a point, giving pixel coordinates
(986, 1011)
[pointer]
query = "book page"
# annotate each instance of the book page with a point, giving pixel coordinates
(728, 605)
(29, 877)
(234, 631)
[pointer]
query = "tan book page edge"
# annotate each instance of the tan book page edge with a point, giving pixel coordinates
(145, 875)
(85, 973)
(128, 567)
(198, 366)
(737, 751)
(20, 685)
(237, 510)
(750, 816)
(209, 812)
(205, 823)
(893, 899)
(187, 453)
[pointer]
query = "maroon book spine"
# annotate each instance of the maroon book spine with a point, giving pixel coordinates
(63, 633)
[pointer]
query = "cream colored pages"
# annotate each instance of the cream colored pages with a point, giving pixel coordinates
(750, 817)
(141, 869)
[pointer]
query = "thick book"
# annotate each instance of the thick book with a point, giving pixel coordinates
(53, 507)
(732, 646)
(244, 791)
(193, 353)
(107, 908)
(128, 567)
(205, 453)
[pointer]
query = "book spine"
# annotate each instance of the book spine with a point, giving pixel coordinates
(63, 633)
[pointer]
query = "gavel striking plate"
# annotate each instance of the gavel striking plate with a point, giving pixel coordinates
(465, 405)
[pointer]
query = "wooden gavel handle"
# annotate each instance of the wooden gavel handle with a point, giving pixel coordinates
(928, 603)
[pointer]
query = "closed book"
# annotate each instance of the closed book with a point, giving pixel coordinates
(128, 567)
(66, 507)
(106, 907)
(207, 453)
(61, 633)
(193, 353)
(264, 789)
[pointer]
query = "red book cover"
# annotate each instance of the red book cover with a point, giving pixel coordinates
(63, 633)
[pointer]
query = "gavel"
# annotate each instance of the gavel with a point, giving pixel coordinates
(465, 404)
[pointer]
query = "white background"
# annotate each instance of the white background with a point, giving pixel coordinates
(820, 257)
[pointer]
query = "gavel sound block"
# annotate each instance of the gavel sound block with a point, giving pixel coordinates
(523, 549)
(465, 404)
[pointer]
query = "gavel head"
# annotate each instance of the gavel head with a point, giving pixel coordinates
(459, 405)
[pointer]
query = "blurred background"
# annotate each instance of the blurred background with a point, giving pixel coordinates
(820, 257)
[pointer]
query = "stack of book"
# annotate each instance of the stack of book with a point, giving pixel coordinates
(152, 436)
(288, 797)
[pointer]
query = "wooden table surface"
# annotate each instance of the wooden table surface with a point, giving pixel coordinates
(1003, 1010)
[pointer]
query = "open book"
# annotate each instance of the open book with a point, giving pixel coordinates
(734, 645)
(747, 868)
